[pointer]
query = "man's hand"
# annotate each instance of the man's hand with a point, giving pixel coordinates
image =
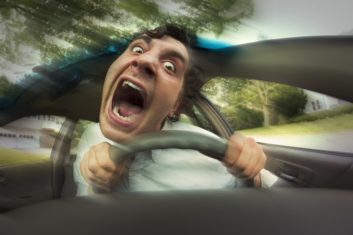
(244, 158)
(99, 170)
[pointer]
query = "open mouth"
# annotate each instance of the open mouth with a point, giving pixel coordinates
(129, 101)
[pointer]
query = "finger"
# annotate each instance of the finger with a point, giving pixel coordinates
(235, 145)
(254, 167)
(247, 162)
(91, 177)
(243, 166)
(85, 171)
(255, 162)
(101, 186)
(108, 172)
(252, 157)
(94, 173)
(116, 168)
(102, 155)
(259, 162)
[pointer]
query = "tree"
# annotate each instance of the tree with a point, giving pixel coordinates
(228, 97)
(56, 27)
(8, 88)
(252, 103)
(289, 101)
(257, 96)
(4, 85)
(242, 117)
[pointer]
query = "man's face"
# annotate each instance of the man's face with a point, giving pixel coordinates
(142, 87)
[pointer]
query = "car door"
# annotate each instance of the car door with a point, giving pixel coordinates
(37, 120)
(27, 155)
(310, 146)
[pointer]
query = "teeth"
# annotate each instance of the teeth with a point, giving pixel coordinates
(130, 84)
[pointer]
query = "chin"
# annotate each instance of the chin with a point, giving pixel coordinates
(113, 134)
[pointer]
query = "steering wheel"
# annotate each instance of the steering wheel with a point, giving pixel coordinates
(211, 146)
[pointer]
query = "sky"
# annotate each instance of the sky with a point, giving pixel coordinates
(271, 19)
(293, 18)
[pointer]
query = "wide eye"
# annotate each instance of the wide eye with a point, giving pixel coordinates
(169, 66)
(137, 49)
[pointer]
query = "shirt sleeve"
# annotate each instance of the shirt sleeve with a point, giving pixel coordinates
(268, 179)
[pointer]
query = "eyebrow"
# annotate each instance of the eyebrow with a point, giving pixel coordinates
(143, 37)
(147, 39)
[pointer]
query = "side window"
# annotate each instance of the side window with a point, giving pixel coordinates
(198, 118)
(80, 128)
(195, 115)
(284, 115)
(28, 140)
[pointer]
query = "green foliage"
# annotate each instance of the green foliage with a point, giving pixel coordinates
(142, 9)
(228, 96)
(56, 27)
(334, 124)
(81, 126)
(224, 91)
(340, 110)
(244, 118)
(250, 103)
(6, 87)
(289, 101)
(10, 157)
(215, 15)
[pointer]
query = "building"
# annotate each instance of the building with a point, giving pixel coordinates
(31, 132)
(319, 102)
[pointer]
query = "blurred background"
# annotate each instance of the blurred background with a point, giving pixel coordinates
(34, 32)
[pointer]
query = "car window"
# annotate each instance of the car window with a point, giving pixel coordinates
(26, 163)
(198, 118)
(28, 140)
(283, 115)
(80, 128)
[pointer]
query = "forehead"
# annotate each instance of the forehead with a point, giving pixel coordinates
(166, 44)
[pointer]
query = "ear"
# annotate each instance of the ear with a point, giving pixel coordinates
(177, 107)
(174, 114)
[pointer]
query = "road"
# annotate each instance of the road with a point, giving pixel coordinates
(339, 141)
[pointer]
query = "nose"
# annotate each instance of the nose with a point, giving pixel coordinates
(145, 65)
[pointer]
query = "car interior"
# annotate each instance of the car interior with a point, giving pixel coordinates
(313, 194)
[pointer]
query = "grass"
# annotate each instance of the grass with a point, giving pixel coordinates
(344, 109)
(327, 121)
(10, 157)
(329, 124)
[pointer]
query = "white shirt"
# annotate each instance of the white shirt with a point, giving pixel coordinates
(179, 169)
(162, 170)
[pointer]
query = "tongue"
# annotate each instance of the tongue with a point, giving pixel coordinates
(127, 109)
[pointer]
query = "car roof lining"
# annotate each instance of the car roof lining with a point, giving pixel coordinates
(321, 64)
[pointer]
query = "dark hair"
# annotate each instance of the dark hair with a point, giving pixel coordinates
(175, 31)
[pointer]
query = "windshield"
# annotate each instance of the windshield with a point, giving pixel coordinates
(60, 51)
(282, 19)
(34, 33)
